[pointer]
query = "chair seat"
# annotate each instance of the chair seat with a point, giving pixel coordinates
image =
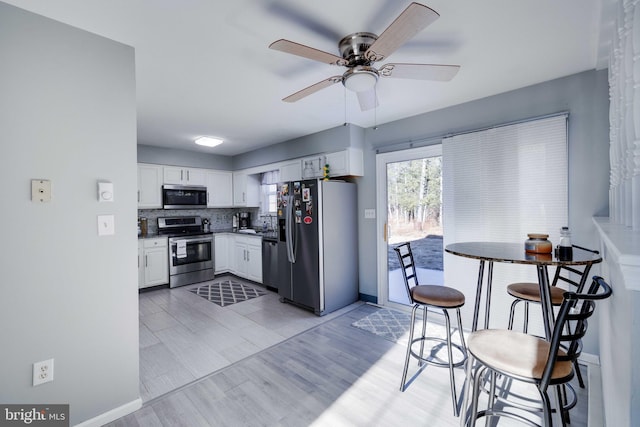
(531, 292)
(515, 353)
(438, 296)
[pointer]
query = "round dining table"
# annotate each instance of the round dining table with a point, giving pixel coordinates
(514, 253)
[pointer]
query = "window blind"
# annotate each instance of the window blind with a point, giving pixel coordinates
(499, 185)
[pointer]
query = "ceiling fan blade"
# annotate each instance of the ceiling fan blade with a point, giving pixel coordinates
(298, 49)
(368, 100)
(442, 73)
(312, 89)
(304, 20)
(410, 22)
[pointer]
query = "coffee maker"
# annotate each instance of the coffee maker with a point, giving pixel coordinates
(244, 220)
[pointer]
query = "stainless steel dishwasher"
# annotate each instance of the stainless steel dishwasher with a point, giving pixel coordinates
(270, 263)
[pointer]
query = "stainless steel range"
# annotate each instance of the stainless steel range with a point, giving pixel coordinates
(191, 250)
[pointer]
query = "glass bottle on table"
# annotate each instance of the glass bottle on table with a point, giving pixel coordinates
(565, 251)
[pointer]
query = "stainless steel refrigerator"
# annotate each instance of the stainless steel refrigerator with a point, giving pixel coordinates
(317, 244)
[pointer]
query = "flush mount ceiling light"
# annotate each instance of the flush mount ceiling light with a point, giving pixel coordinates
(360, 79)
(208, 141)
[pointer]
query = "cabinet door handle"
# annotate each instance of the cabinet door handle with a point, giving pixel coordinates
(207, 197)
(248, 256)
(181, 174)
(146, 260)
(138, 196)
(188, 178)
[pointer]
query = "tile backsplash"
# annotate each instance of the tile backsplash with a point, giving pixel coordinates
(220, 219)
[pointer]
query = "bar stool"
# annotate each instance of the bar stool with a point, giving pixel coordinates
(525, 358)
(427, 297)
(530, 293)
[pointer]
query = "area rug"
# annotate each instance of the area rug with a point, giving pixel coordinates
(394, 324)
(388, 324)
(227, 292)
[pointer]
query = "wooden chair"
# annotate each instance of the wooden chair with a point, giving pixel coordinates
(435, 297)
(521, 357)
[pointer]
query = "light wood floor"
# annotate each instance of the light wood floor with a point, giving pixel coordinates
(297, 372)
(184, 337)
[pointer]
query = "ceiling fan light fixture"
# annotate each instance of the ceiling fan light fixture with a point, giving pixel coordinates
(208, 141)
(360, 79)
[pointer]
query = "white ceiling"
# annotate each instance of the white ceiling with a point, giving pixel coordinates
(203, 67)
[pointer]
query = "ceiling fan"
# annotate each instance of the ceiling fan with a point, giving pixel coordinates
(360, 50)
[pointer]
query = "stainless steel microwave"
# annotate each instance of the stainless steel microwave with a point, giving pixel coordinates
(184, 196)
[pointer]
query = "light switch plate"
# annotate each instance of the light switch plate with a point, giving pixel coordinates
(106, 225)
(40, 190)
(369, 213)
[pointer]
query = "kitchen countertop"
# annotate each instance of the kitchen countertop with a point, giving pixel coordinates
(268, 235)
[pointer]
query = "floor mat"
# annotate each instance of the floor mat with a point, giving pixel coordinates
(389, 324)
(394, 325)
(227, 292)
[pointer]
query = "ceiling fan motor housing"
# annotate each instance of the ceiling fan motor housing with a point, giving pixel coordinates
(353, 48)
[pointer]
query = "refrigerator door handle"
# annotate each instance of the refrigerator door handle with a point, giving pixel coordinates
(289, 229)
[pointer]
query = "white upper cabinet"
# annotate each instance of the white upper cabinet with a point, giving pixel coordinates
(312, 167)
(184, 176)
(246, 190)
(219, 189)
(347, 162)
(291, 171)
(149, 186)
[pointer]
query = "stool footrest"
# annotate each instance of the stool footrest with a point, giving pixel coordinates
(431, 360)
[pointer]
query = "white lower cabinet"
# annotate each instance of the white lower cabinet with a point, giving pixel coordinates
(247, 257)
(254, 260)
(140, 263)
(222, 253)
(154, 262)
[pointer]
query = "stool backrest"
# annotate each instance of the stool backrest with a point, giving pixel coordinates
(574, 312)
(563, 273)
(407, 265)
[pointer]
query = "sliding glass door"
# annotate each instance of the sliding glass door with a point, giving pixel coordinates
(410, 210)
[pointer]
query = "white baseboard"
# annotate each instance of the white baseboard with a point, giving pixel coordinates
(596, 403)
(595, 416)
(113, 414)
(589, 359)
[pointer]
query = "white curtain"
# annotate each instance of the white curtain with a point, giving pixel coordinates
(499, 185)
(271, 177)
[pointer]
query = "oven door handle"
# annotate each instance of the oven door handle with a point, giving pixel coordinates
(204, 240)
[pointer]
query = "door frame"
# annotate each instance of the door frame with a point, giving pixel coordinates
(382, 159)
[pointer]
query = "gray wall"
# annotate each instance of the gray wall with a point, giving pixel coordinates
(326, 141)
(67, 114)
(168, 156)
(585, 96)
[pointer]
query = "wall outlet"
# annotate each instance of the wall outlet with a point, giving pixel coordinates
(41, 190)
(42, 372)
(369, 213)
